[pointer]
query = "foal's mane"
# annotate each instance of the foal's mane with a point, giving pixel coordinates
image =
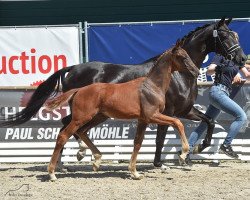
(159, 58)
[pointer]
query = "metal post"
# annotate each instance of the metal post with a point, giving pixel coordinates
(86, 41)
(80, 41)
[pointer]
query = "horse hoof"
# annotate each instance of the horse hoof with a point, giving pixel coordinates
(61, 168)
(181, 161)
(96, 167)
(157, 164)
(137, 177)
(197, 149)
(80, 155)
(164, 168)
(52, 177)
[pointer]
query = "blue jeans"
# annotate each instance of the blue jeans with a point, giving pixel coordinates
(220, 100)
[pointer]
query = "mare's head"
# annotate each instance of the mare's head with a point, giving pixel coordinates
(214, 37)
(181, 61)
(227, 42)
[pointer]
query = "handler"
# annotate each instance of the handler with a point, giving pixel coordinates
(226, 73)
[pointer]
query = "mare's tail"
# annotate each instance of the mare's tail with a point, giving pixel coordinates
(48, 88)
(58, 101)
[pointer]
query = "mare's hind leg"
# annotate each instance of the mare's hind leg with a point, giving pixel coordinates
(82, 133)
(137, 145)
(176, 123)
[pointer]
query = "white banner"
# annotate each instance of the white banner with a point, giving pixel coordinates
(29, 56)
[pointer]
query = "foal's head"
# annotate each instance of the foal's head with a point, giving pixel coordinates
(182, 62)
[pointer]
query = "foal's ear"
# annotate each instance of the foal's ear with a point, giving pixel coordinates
(174, 49)
(179, 43)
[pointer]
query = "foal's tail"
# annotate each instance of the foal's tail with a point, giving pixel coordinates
(42, 93)
(60, 100)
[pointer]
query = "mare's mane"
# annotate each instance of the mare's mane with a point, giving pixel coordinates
(183, 39)
(191, 33)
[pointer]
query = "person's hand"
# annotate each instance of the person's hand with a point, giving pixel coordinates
(237, 79)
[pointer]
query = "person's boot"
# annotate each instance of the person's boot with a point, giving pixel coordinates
(228, 151)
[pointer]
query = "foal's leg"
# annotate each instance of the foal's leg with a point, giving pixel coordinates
(166, 120)
(82, 133)
(61, 141)
(64, 136)
(141, 127)
(96, 153)
(82, 147)
(66, 120)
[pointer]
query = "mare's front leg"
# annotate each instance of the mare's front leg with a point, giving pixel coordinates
(176, 123)
(160, 138)
(62, 138)
(197, 115)
(137, 145)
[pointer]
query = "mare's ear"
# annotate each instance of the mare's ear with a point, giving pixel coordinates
(228, 20)
(221, 22)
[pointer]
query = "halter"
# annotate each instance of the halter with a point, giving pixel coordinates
(229, 52)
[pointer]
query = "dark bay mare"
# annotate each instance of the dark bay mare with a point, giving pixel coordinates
(182, 93)
(145, 101)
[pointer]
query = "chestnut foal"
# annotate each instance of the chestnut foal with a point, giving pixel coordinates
(142, 99)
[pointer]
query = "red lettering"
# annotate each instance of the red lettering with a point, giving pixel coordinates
(40, 64)
(23, 59)
(11, 60)
(3, 70)
(20, 64)
(56, 61)
(33, 61)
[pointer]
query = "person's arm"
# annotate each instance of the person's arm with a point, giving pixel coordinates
(245, 72)
(211, 69)
(247, 66)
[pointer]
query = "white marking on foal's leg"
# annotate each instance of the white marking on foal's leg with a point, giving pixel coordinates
(52, 176)
(97, 163)
(51, 171)
(134, 174)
